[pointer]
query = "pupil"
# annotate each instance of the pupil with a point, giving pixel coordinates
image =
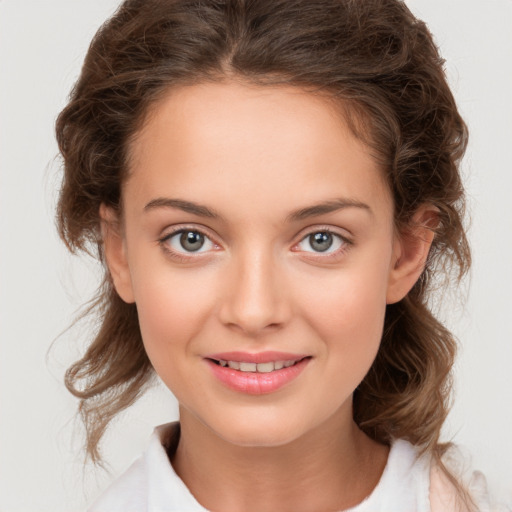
(191, 241)
(320, 241)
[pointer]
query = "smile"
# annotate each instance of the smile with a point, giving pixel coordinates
(257, 374)
(256, 367)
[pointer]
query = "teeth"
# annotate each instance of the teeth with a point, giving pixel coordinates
(257, 367)
(248, 367)
(265, 367)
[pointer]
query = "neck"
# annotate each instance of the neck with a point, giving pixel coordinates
(332, 467)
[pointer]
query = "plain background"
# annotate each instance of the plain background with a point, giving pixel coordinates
(42, 45)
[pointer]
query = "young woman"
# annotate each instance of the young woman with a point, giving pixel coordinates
(274, 189)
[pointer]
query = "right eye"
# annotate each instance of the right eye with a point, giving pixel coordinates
(187, 241)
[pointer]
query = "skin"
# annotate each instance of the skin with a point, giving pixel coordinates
(254, 156)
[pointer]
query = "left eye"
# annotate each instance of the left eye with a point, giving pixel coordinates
(321, 242)
(189, 241)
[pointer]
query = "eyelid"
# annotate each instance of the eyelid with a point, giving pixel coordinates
(347, 241)
(203, 230)
(177, 228)
(344, 234)
(180, 228)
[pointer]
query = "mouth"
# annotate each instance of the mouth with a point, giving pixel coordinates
(257, 374)
(250, 367)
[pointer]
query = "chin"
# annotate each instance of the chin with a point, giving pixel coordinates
(259, 430)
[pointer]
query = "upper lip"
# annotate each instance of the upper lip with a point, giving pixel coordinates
(256, 357)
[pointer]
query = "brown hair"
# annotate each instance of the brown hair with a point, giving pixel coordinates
(374, 57)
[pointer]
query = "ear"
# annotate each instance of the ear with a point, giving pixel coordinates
(115, 253)
(410, 252)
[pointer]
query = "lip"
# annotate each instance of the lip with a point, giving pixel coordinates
(257, 357)
(254, 383)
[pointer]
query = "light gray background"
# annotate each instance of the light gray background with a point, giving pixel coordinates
(42, 45)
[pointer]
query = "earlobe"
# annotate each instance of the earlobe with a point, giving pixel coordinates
(115, 253)
(410, 253)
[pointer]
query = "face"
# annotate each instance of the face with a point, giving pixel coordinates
(259, 248)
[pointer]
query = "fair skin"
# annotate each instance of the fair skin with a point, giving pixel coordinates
(256, 225)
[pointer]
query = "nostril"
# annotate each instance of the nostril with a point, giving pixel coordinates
(254, 302)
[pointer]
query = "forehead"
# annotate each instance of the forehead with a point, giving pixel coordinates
(248, 141)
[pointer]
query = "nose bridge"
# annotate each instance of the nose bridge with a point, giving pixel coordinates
(254, 299)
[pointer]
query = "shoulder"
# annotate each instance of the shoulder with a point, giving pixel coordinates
(126, 493)
(150, 483)
(415, 479)
(465, 490)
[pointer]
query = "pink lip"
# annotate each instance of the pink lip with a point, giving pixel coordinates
(254, 383)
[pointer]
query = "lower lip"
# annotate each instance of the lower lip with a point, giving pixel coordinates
(254, 383)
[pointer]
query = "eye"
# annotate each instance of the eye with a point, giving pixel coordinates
(188, 241)
(321, 242)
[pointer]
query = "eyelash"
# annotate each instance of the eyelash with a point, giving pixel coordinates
(184, 256)
(178, 255)
(344, 241)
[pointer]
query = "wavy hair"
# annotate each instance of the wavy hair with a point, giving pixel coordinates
(382, 67)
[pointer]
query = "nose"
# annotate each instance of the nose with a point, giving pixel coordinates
(254, 298)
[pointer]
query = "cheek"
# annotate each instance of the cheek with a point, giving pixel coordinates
(348, 309)
(172, 308)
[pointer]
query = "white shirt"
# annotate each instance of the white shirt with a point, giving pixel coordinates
(152, 485)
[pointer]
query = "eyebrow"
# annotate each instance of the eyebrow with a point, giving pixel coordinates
(180, 204)
(297, 215)
(327, 207)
